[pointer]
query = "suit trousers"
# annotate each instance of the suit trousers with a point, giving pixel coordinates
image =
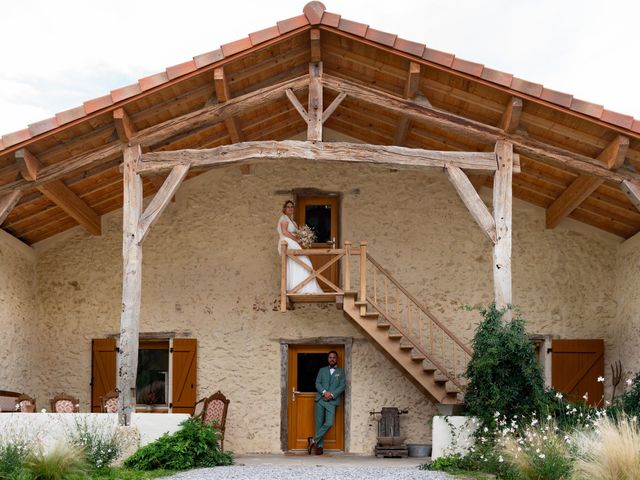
(325, 414)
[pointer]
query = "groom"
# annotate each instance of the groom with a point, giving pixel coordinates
(330, 383)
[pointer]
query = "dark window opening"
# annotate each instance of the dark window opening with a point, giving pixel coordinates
(308, 366)
(153, 373)
(318, 217)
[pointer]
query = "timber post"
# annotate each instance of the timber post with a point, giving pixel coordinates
(127, 358)
(502, 213)
(283, 276)
(363, 277)
(347, 265)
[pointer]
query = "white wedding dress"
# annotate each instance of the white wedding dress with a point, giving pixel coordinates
(296, 273)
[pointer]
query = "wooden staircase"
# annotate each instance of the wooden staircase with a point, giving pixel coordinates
(402, 328)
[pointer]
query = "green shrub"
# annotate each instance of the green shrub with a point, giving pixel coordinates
(504, 373)
(63, 462)
(12, 459)
(194, 445)
(629, 401)
(99, 442)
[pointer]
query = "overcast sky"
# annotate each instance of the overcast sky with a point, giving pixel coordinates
(57, 54)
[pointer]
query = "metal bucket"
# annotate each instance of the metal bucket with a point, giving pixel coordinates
(419, 449)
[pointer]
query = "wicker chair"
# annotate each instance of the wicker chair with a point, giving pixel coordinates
(25, 404)
(110, 402)
(215, 413)
(63, 403)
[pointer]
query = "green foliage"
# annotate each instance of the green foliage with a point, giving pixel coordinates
(568, 416)
(504, 373)
(483, 459)
(194, 445)
(98, 442)
(128, 474)
(12, 458)
(63, 462)
(629, 402)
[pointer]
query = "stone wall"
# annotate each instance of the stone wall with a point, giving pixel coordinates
(17, 314)
(211, 268)
(626, 335)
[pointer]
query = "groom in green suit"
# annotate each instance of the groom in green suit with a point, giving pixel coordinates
(330, 384)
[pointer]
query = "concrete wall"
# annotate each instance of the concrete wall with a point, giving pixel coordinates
(17, 313)
(626, 335)
(211, 268)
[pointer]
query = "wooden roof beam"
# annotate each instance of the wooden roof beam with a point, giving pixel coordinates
(316, 52)
(61, 195)
(485, 133)
(315, 106)
(156, 162)
(224, 95)
(511, 116)
(633, 192)
(7, 203)
(124, 127)
(28, 164)
(583, 186)
(411, 89)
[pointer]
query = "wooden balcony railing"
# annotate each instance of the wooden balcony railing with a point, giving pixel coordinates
(377, 290)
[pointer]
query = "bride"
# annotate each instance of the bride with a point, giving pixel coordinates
(295, 273)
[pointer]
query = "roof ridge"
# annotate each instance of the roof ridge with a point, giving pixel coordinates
(315, 14)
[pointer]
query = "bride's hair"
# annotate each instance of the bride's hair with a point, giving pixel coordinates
(284, 205)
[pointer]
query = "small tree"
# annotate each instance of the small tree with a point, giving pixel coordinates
(504, 373)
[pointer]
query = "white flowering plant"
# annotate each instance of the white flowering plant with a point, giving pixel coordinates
(99, 442)
(306, 236)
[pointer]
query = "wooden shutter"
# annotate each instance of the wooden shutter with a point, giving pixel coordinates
(184, 365)
(103, 369)
(576, 366)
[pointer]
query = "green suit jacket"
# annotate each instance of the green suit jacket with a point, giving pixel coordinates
(331, 383)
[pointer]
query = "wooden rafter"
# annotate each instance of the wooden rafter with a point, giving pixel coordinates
(633, 192)
(7, 203)
(473, 202)
(124, 127)
(532, 147)
(224, 95)
(583, 186)
(511, 116)
(411, 89)
(315, 107)
(316, 52)
(60, 194)
(399, 157)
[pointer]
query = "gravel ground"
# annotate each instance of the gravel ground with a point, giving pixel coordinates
(309, 473)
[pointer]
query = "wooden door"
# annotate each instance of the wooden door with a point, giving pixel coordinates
(103, 370)
(183, 375)
(304, 363)
(575, 368)
(321, 214)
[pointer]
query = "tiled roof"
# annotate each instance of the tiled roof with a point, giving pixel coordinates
(315, 14)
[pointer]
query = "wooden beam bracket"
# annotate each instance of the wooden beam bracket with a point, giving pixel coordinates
(124, 126)
(7, 203)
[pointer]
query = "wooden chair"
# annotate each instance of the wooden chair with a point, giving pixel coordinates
(25, 404)
(63, 403)
(215, 413)
(198, 409)
(110, 402)
(8, 400)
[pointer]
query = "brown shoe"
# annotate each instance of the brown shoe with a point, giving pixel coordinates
(319, 451)
(310, 445)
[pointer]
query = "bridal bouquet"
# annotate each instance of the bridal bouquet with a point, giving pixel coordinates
(306, 236)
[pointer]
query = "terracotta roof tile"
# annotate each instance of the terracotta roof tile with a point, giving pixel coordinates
(123, 93)
(588, 108)
(636, 126)
(208, 58)
(407, 46)
(496, 76)
(292, 23)
(559, 98)
(70, 115)
(384, 38)
(96, 104)
(524, 86)
(232, 48)
(313, 11)
(16, 137)
(466, 66)
(355, 28)
(436, 56)
(181, 69)
(330, 19)
(43, 126)
(616, 118)
(154, 80)
(264, 35)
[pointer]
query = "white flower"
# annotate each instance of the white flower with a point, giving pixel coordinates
(541, 455)
(500, 459)
(600, 379)
(558, 395)
(629, 382)
(549, 417)
(44, 410)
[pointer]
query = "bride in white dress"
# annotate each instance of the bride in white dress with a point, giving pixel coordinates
(295, 273)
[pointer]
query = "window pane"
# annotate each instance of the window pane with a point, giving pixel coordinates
(153, 372)
(308, 366)
(318, 217)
